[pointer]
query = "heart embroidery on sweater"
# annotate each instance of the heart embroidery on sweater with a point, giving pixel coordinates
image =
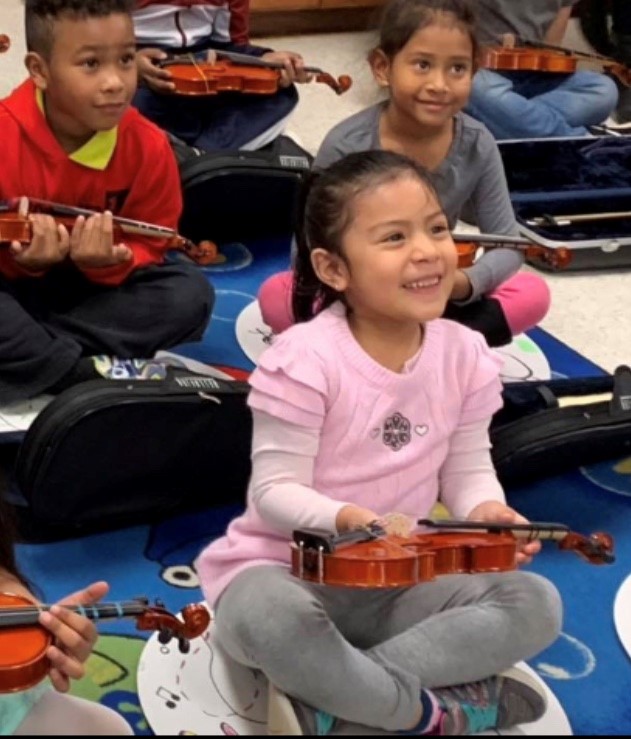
(421, 430)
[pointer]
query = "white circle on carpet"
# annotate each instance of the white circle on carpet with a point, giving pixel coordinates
(523, 359)
(202, 692)
(253, 334)
(622, 614)
(205, 692)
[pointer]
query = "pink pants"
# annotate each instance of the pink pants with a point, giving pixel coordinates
(524, 297)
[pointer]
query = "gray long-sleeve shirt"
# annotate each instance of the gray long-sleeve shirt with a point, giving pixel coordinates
(528, 21)
(470, 181)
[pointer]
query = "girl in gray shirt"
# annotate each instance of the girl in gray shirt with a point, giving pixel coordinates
(425, 59)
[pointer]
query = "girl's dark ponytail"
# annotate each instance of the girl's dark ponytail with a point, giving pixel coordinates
(8, 537)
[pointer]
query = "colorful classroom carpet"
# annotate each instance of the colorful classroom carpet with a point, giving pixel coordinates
(587, 670)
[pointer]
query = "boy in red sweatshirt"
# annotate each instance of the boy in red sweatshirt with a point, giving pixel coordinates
(68, 135)
(230, 120)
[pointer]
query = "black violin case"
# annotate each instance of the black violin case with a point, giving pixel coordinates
(109, 453)
(236, 195)
(548, 428)
(548, 178)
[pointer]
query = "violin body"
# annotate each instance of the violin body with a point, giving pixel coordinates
(23, 661)
(393, 562)
(540, 57)
(555, 257)
(238, 73)
(205, 78)
(24, 642)
(527, 59)
(370, 558)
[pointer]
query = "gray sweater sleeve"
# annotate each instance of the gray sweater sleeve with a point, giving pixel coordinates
(491, 204)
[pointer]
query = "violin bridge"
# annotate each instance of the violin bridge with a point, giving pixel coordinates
(23, 206)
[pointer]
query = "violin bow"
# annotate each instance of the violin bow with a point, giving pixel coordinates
(567, 220)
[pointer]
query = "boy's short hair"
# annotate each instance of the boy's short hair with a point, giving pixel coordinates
(40, 17)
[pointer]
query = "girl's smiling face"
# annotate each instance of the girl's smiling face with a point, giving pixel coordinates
(429, 79)
(399, 258)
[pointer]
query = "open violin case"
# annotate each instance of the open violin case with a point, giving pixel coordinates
(552, 181)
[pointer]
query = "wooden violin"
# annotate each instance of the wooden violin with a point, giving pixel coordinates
(467, 246)
(541, 57)
(15, 225)
(238, 73)
(369, 558)
(24, 642)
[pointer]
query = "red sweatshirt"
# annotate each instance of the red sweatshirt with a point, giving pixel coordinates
(140, 181)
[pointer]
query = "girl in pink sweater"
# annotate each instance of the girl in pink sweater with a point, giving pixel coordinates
(373, 405)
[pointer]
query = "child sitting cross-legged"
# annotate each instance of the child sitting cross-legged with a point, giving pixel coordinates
(75, 300)
(370, 404)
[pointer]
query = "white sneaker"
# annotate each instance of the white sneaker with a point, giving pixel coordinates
(18, 416)
(281, 717)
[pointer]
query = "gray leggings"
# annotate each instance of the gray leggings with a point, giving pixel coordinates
(363, 655)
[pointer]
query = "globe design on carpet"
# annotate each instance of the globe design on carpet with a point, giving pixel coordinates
(614, 476)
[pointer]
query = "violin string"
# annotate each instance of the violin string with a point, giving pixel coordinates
(200, 71)
(127, 224)
(11, 616)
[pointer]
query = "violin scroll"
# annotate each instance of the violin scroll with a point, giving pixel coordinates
(156, 618)
(597, 548)
(620, 72)
(340, 85)
(555, 257)
(5, 43)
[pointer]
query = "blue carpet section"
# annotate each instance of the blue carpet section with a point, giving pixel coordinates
(586, 668)
(234, 290)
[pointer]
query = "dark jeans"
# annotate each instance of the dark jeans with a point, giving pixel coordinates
(229, 120)
(621, 16)
(48, 323)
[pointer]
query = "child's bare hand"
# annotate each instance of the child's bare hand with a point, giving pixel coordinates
(352, 517)
(75, 635)
(293, 67)
(496, 512)
(462, 286)
(155, 77)
(49, 245)
(92, 243)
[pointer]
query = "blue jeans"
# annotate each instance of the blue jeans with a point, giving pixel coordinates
(524, 105)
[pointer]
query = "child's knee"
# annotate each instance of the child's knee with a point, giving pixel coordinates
(192, 302)
(274, 298)
(541, 608)
(525, 299)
